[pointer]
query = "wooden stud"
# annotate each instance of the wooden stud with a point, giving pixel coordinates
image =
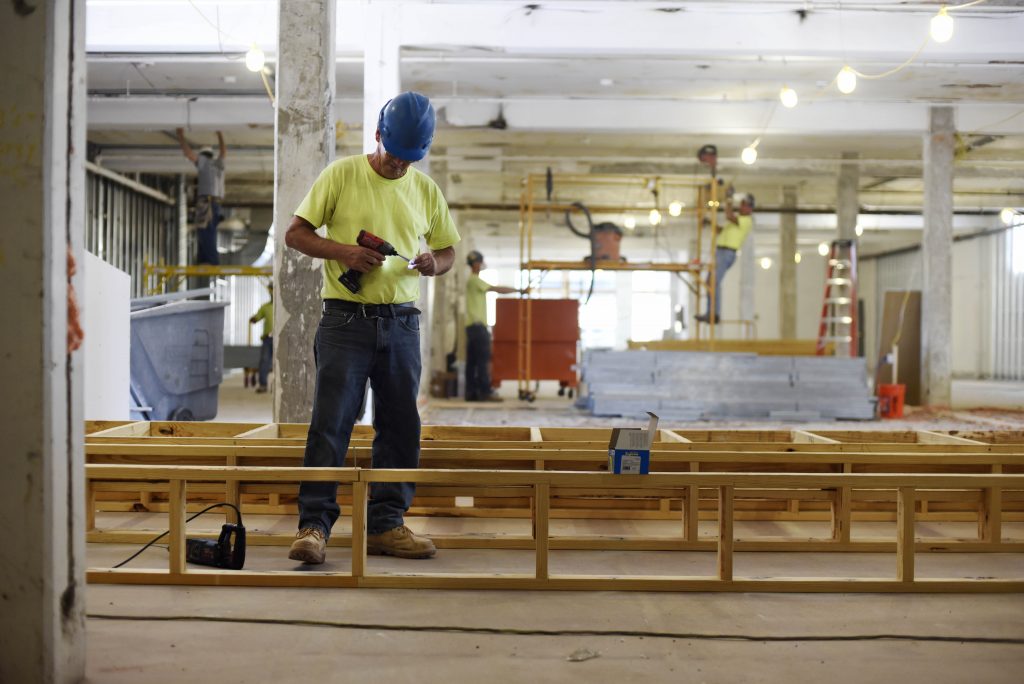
(232, 493)
(990, 519)
(725, 532)
(542, 500)
(90, 506)
(535, 435)
(691, 509)
(905, 542)
(358, 529)
(176, 539)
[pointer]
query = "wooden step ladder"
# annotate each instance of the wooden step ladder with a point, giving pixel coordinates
(838, 329)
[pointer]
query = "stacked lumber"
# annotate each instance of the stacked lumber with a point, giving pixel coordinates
(688, 386)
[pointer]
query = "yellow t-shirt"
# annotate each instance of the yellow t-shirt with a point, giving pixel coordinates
(734, 234)
(266, 314)
(476, 300)
(350, 196)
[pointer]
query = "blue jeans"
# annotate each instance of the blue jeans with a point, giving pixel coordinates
(349, 349)
(724, 259)
(207, 219)
(478, 362)
(266, 359)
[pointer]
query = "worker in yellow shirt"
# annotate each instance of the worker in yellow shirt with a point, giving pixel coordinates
(372, 334)
(731, 237)
(478, 337)
(266, 314)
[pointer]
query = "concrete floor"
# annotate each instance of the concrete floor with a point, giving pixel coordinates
(397, 636)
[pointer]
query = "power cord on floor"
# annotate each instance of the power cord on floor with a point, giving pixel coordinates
(157, 538)
(509, 631)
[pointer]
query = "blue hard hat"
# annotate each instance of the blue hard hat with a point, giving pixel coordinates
(406, 126)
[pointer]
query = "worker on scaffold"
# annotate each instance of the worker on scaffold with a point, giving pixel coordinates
(731, 236)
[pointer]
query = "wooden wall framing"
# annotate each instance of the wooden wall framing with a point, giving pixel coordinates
(547, 473)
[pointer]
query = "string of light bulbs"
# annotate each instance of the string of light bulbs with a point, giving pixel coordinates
(940, 30)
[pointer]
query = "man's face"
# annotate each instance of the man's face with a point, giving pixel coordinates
(745, 208)
(391, 167)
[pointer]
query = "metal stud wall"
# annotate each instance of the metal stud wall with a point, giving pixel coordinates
(993, 329)
(128, 227)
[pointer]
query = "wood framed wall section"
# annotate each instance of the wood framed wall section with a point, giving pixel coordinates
(541, 482)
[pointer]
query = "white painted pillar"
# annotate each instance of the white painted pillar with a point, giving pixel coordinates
(787, 265)
(381, 76)
(848, 196)
(937, 255)
(304, 145)
(623, 308)
(42, 180)
(748, 284)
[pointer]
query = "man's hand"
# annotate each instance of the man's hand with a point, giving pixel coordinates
(360, 258)
(425, 263)
(180, 131)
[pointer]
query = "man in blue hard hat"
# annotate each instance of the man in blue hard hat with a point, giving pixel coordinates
(372, 334)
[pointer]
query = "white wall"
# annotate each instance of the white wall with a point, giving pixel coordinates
(106, 309)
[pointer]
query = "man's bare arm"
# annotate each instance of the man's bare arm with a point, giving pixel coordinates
(185, 147)
(301, 236)
(223, 147)
(501, 289)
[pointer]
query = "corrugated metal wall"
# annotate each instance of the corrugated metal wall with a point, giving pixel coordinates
(244, 295)
(1008, 299)
(127, 228)
(988, 301)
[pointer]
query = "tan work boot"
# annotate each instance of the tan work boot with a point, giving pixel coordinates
(309, 546)
(400, 543)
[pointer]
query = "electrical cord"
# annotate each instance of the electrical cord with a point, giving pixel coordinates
(511, 631)
(154, 540)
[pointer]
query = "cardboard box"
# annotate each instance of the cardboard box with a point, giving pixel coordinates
(629, 450)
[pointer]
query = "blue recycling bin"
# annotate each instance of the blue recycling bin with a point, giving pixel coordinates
(177, 360)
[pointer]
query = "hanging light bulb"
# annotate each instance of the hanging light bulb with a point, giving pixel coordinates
(942, 26)
(788, 97)
(1006, 216)
(859, 230)
(675, 208)
(749, 153)
(255, 59)
(846, 81)
(823, 249)
(629, 222)
(797, 257)
(766, 263)
(654, 217)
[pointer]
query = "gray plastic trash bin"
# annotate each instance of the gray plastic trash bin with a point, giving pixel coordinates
(177, 360)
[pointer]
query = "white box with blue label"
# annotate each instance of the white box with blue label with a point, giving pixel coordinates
(629, 450)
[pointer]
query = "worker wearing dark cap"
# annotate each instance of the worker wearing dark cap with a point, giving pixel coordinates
(372, 334)
(731, 236)
(478, 337)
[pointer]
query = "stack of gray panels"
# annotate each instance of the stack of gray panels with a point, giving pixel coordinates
(686, 386)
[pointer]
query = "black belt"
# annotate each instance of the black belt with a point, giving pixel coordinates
(370, 310)
(728, 248)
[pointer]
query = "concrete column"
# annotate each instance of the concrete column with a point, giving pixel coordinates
(748, 285)
(937, 255)
(42, 179)
(848, 196)
(624, 308)
(787, 265)
(304, 145)
(381, 76)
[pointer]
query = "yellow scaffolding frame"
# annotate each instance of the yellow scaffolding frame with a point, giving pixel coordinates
(158, 275)
(706, 210)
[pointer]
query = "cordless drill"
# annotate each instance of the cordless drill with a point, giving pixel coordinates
(350, 278)
(220, 553)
